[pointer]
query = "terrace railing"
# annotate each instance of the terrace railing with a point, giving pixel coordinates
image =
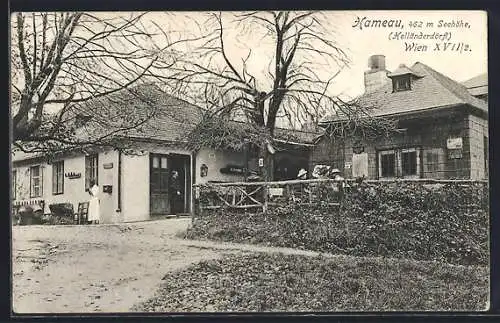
(259, 196)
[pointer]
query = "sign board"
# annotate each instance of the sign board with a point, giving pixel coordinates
(261, 162)
(454, 143)
(73, 175)
(276, 191)
(108, 165)
(232, 170)
(347, 165)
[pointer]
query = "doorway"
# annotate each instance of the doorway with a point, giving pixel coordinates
(170, 184)
(180, 184)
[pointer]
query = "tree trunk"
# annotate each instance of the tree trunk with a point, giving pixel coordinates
(264, 169)
(267, 170)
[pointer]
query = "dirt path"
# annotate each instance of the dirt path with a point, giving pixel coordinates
(106, 268)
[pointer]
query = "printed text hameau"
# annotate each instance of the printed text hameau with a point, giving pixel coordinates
(365, 22)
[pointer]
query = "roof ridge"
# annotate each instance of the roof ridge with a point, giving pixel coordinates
(452, 86)
(279, 128)
(473, 80)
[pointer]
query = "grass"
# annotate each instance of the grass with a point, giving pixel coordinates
(276, 282)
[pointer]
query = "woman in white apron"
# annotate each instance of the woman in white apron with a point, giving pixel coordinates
(94, 215)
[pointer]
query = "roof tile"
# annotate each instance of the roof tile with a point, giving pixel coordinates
(431, 90)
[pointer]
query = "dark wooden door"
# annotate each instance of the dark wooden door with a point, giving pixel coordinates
(158, 179)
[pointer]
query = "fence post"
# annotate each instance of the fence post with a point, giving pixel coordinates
(266, 197)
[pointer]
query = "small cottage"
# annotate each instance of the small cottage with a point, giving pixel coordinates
(135, 184)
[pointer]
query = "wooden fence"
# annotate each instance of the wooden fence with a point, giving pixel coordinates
(261, 195)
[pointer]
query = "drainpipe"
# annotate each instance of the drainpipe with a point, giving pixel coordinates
(119, 188)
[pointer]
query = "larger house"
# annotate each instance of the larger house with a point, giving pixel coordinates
(441, 133)
(135, 185)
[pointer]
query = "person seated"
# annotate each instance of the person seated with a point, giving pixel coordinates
(302, 174)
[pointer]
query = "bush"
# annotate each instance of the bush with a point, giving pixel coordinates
(404, 220)
(277, 282)
(61, 213)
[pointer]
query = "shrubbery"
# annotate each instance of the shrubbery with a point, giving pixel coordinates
(404, 219)
(277, 282)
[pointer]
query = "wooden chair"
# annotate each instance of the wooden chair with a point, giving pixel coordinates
(83, 213)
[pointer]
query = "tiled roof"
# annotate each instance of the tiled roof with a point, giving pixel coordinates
(296, 136)
(170, 119)
(283, 135)
(165, 117)
(477, 85)
(431, 90)
(20, 155)
(401, 70)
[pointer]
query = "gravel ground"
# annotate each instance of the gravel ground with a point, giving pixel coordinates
(101, 268)
(120, 268)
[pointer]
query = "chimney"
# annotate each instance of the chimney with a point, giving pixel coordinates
(376, 76)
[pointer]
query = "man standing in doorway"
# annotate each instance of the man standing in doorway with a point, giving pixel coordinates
(175, 191)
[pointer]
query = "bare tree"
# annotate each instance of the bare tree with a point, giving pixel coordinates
(61, 61)
(298, 71)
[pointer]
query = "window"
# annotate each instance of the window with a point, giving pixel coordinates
(401, 83)
(159, 173)
(399, 163)
(36, 187)
(432, 162)
(14, 184)
(388, 163)
(58, 178)
(91, 172)
(409, 162)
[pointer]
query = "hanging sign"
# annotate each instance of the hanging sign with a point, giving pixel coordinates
(73, 175)
(107, 165)
(276, 191)
(233, 169)
(454, 143)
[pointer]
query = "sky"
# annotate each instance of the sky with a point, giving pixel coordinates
(360, 43)
(458, 66)
(464, 28)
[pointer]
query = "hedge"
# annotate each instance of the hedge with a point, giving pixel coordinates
(291, 283)
(444, 222)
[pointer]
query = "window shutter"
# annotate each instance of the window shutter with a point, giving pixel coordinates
(40, 172)
(31, 181)
(54, 178)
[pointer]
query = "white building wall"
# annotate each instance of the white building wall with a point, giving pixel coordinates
(108, 176)
(74, 188)
(135, 180)
(135, 195)
(135, 188)
(215, 160)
